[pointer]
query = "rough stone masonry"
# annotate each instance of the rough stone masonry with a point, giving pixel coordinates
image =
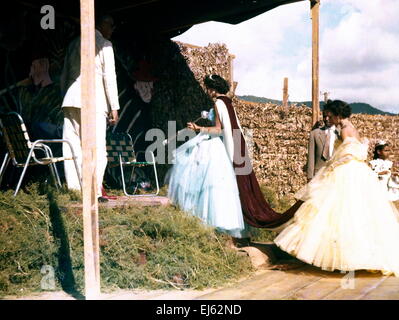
(280, 140)
(280, 135)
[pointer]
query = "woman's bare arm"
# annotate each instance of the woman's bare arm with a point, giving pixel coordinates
(216, 129)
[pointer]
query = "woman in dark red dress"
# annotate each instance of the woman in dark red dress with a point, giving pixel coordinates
(257, 212)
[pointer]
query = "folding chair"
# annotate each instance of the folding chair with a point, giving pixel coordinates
(121, 153)
(22, 151)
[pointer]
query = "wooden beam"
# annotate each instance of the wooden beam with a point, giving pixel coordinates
(231, 67)
(235, 84)
(315, 5)
(88, 129)
(231, 94)
(326, 95)
(285, 93)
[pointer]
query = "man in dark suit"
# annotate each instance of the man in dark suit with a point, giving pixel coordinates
(321, 146)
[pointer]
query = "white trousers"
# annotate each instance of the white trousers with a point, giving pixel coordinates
(72, 132)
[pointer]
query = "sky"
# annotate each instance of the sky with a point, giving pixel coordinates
(359, 51)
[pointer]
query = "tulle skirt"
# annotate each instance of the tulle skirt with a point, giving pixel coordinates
(202, 182)
(346, 223)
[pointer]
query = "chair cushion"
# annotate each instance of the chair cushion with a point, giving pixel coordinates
(120, 143)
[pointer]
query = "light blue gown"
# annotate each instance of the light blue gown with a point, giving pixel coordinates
(202, 182)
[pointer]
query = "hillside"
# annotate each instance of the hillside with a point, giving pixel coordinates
(357, 107)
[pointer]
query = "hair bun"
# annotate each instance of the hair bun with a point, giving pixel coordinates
(217, 83)
(339, 108)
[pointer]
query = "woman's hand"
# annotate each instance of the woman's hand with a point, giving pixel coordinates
(193, 126)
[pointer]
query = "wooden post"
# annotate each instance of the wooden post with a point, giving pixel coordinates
(232, 91)
(315, 5)
(235, 84)
(285, 93)
(325, 95)
(88, 129)
(231, 66)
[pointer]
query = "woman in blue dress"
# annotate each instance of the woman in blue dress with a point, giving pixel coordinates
(213, 177)
(202, 181)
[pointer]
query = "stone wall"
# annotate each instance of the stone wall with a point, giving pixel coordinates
(180, 93)
(280, 140)
(280, 135)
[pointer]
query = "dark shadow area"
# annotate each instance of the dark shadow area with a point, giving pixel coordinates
(176, 96)
(272, 251)
(65, 270)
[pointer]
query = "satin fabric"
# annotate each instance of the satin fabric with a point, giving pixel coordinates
(257, 212)
(346, 222)
(202, 182)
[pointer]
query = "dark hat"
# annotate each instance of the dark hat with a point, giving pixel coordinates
(143, 73)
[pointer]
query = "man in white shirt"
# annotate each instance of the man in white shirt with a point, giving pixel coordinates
(107, 103)
(321, 147)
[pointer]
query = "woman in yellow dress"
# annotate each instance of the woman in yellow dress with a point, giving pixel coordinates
(346, 222)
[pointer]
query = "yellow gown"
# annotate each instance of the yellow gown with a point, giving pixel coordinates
(346, 222)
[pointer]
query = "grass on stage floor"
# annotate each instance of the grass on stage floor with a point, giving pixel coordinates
(141, 247)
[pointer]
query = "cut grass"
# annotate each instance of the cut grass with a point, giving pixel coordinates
(141, 247)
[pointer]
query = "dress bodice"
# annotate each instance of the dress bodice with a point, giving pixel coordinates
(351, 146)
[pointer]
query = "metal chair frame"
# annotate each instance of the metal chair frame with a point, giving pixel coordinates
(30, 147)
(134, 164)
